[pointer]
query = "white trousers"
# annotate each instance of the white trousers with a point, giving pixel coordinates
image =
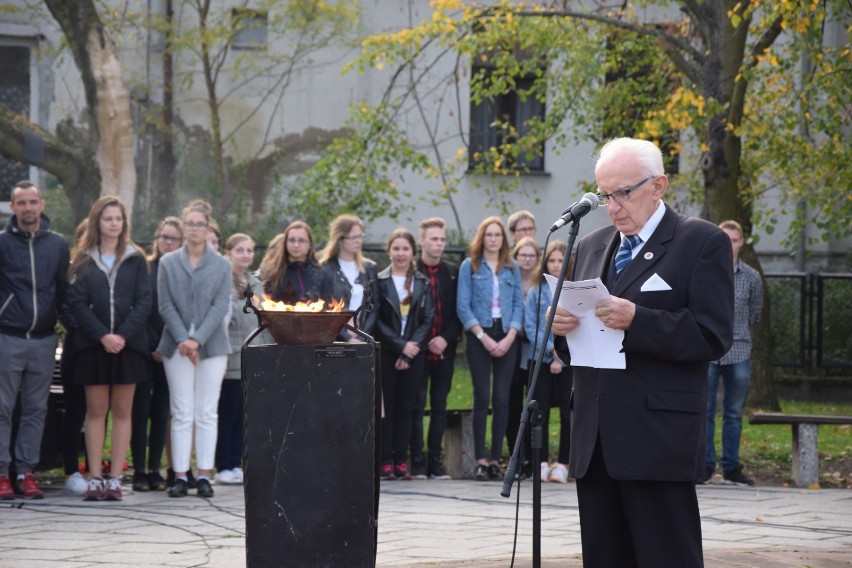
(194, 399)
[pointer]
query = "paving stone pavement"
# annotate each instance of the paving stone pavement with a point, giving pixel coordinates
(422, 524)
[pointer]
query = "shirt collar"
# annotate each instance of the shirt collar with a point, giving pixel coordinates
(651, 224)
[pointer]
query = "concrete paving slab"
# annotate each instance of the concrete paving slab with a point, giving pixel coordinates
(463, 524)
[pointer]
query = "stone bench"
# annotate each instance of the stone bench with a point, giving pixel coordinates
(805, 445)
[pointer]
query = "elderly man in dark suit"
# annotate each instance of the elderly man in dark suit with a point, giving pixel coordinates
(638, 435)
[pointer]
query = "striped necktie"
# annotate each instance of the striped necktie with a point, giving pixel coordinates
(624, 254)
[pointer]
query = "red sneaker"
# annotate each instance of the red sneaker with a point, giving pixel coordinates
(401, 471)
(6, 491)
(28, 488)
(387, 472)
(112, 489)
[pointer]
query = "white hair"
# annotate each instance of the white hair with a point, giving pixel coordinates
(646, 153)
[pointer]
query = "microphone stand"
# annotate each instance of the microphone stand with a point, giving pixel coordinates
(531, 407)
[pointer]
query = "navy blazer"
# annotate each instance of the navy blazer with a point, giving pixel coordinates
(652, 416)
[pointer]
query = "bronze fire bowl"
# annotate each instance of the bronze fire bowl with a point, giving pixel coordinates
(304, 328)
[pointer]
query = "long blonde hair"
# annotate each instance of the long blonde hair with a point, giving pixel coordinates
(338, 229)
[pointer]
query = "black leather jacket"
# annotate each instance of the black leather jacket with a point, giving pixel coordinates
(341, 289)
(389, 319)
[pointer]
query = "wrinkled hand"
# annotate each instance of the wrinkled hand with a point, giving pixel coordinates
(616, 313)
(113, 343)
(564, 322)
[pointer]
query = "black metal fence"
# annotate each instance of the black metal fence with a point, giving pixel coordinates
(811, 319)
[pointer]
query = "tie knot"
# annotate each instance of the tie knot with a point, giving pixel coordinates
(631, 241)
(624, 255)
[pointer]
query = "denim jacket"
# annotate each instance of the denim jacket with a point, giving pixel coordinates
(474, 296)
(534, 335)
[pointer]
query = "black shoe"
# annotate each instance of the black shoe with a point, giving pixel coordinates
(204, 489)
(170, 478)
(156, 481)
(178, 489)
(418, 468)
(736, 477)
(191, 482)
(140, 481)
(494, 471)
(705, 480)
(436, 470)
(481, 472)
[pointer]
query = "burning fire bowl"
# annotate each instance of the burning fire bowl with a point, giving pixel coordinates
(304, 328)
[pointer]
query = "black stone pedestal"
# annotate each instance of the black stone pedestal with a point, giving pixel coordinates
(311, 483)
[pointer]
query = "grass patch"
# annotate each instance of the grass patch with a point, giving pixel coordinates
(765, 450)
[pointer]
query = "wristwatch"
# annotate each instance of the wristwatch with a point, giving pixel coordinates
(480, 335)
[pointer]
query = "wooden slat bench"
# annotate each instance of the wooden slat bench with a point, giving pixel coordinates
(805, 445)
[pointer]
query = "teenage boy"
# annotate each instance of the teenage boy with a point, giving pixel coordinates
(440, 359)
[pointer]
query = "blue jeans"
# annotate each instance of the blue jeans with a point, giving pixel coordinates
(735, 379)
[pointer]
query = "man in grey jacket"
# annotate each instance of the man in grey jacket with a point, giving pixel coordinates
(33, 264)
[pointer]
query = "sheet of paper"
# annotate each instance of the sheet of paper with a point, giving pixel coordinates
(591, 344)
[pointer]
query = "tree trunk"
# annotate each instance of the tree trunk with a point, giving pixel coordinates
(721, 165)
(164, 189)
(107, 98)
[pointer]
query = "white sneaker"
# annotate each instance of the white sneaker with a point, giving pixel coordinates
(76, 483)
(225, 477)
(559, 474)
(238, 475)
(545, 472)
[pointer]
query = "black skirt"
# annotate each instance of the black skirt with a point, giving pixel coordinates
(97, 367)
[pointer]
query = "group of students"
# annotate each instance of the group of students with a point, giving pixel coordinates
(152, 339)
(155, 340)
(502, 304)
(498, 298)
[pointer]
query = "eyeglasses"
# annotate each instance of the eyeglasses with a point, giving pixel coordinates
(297, 241)
(621, 195)
(525, 230)
(170, 239)
(194, 224)
(354, 238)
(527, 256)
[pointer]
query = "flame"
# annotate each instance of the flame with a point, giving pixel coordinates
(269, 305)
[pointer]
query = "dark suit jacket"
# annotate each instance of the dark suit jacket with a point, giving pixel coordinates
(389, 320)
(651, 416)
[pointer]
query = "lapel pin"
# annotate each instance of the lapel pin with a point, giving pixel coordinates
(649, 255)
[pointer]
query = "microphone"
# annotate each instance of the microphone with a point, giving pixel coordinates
(589, 202)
